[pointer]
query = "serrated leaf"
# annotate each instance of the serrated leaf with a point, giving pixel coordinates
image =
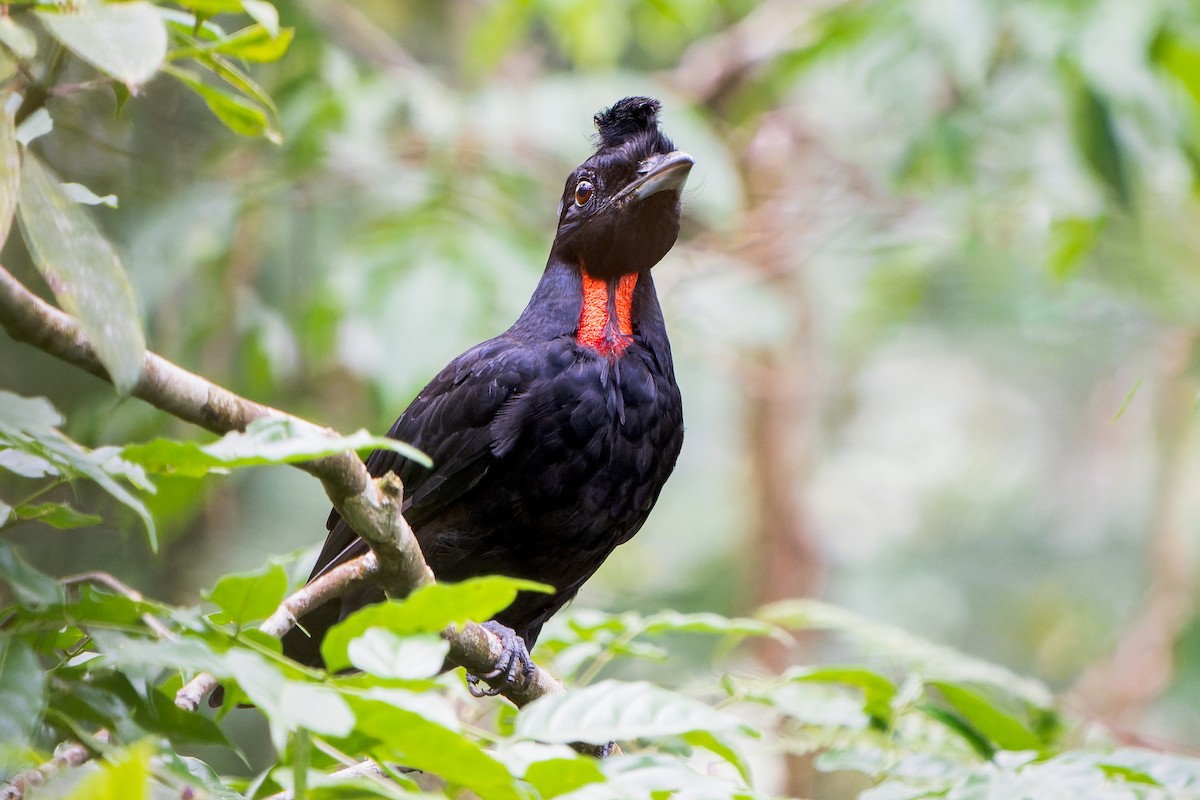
(251, 596)
(125, 40)
(22, 696)
(10, 172)
(610, 710)
(28, 584)
(84, 272)
(427, 610)
(265, 441)
(382, 653)
(57, 515)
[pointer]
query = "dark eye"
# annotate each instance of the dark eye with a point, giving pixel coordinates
(583, 192)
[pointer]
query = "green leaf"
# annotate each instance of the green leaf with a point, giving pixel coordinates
(198, 774)
(255, 43)
(557, 776)
(1127, 774)
(10, 171)
(245, 85)
(384, 654)
(28, 424)
(188, 26)
(22, 693)
(1095, 133)
(1180, 59)
(125, 40)
(210, 7)
(410, 730)
(58, 515)
(1071, 239)
(28, 584)
(251, 596)
(84, 272)
(611, 710)
(716, 744)
(124, 776)
(878, 691)
(931, 660)
(427, 610)
(265, 441)
(999, 726)
(708, 623)
(236, 113)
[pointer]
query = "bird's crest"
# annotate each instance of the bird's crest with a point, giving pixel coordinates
(625, 119)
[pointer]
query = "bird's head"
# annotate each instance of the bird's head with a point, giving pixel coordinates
(619, 212)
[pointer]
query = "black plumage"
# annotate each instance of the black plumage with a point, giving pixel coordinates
(550, 442)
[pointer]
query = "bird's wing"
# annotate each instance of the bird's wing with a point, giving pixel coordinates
(452, 421)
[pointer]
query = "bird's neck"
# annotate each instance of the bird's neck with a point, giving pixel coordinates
(606, 313)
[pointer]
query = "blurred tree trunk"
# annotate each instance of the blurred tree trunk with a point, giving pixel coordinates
(781, 412)
(1120, 689)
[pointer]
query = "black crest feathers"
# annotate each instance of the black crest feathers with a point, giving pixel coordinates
(626, 118)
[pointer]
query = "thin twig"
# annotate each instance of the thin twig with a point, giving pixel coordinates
(69, 755)
(332, 584)
(113, 584)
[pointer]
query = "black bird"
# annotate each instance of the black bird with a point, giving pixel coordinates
(552, 441)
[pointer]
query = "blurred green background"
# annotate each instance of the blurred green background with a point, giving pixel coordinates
(935, 306)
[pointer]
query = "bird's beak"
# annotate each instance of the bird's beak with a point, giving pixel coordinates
(658, 174)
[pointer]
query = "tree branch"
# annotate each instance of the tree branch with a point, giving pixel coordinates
(67, 755)
(372, 507)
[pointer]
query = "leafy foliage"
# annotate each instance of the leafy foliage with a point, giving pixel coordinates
(910, 718)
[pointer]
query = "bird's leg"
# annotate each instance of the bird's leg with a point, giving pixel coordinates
(514, 661)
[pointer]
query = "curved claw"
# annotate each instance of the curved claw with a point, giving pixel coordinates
(513, 668)
(479, 691)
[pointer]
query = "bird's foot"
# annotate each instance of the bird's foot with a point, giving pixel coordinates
(513, 668)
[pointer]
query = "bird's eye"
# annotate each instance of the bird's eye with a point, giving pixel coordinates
(583, 192)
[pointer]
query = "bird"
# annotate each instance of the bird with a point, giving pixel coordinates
(551, 442)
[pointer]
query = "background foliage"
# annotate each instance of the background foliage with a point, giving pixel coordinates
(934, 312)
